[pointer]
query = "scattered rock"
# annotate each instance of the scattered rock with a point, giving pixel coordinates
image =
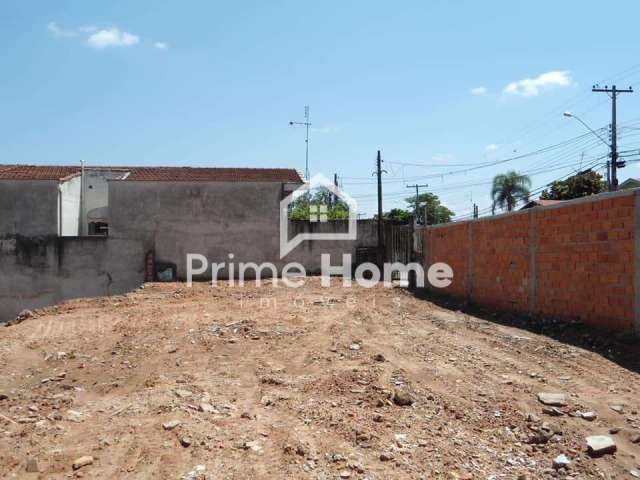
(206, 408)
(378, 357)
(74, 416)
(552, 399)
(561, 461)
(378, 418)
(301, 449)
(589, 416)
(354, 346)
(460, 475)
(82, 462)
(533, 418)
(402, 398)
(183, 393)
(196, 474)
(617, 408)
(635, 438)
(246, 415)
(32, 465)
(272, 380)
(186, 442)
(170, 425)
(386, 457)
(22, 316)
(345, 474)
(598, 445)
(253, 446)
(614, 430)
(553, 411)
(634, 473)
(541, 436)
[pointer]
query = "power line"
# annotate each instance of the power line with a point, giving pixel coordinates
(484, 165)
(536, 190)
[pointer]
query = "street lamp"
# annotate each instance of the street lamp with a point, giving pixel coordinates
(611, 164)
(571, 115)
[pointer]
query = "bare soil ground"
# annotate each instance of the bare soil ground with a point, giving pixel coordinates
(279, 383)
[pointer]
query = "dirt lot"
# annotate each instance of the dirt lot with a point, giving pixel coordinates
(280, 383)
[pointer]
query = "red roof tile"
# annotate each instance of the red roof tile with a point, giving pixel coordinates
(546, 203)
(156, 174)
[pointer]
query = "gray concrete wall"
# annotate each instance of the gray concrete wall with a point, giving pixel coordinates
(28, 207)
(309, 252)
(44, 270)
(209, 218)
(218, 218)
(38, 268)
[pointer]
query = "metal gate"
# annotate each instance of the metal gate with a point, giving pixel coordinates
(398, 243)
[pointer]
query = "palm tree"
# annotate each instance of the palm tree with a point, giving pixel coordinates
(508, 189)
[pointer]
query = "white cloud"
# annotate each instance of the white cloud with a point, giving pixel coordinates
(88, 29)
(492, 147)
(58, 31)
(161, 45)
(479, 91)
(112, 37)
(530, 87)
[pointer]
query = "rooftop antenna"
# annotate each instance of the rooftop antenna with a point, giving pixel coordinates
(306, 124)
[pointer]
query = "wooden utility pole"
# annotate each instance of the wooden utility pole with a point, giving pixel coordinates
(415, 209)
(378, 172)
(613, 93)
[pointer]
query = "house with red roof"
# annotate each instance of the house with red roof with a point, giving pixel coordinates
(170, 211)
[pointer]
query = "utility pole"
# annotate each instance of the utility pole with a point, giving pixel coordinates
(306, 124)
(415, 210)
(335, 183)
(379, 172)
(475, 210)
(613, 94)
(82, 223)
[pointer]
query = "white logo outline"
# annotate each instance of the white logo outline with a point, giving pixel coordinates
(318, 180)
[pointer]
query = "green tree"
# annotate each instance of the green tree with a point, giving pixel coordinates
(300, 208)
(398, 216)
(509, 188)
(436, 212)
(580, 185)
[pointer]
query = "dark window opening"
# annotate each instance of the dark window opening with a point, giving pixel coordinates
(98, 228)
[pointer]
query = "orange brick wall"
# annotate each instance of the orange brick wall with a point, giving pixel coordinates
(450, 245)
(575, 261)
(501, 262)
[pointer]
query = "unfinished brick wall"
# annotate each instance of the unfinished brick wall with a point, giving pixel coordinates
(573, 261)
(451, 243)
(500, 263)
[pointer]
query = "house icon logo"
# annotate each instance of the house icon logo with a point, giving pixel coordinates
(318, 213)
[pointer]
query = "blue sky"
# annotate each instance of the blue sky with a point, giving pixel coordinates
(204, 83)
